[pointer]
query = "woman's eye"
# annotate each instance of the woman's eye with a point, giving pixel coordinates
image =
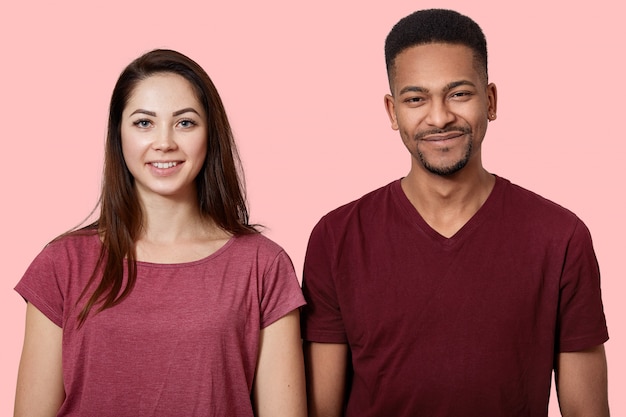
(187, 123)
(142, 123)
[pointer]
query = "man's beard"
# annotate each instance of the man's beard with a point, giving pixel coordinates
(451, 169)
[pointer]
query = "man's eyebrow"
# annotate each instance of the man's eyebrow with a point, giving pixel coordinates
(185, 110)
(413, 89)
(146, 112)
(455, 84)
(448, 87)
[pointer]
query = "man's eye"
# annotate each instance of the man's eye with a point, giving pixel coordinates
(461, 94)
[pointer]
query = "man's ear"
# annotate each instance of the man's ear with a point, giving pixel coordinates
(492, 97)
(390, 106)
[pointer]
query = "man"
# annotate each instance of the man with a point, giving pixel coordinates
(450, 292)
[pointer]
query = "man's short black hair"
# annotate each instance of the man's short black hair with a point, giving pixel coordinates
(434, 26)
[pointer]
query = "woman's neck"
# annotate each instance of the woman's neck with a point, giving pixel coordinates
(175, 231)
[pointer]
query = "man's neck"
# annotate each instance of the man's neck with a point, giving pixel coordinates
(447, 203)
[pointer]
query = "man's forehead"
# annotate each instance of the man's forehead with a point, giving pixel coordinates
(443, 62)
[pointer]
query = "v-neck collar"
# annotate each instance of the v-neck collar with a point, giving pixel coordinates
(418, 221)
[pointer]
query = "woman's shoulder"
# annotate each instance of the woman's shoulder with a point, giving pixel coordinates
(257, 243)
(257, 240)
(80, 241)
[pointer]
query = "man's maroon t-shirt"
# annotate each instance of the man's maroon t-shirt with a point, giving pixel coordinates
(460, 326)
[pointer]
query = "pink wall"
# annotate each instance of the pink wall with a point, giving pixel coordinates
(304, 85)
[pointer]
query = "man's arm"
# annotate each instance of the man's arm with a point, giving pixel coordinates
(326, 365)
(581, 383)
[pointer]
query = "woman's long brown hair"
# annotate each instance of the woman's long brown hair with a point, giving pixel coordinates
(219, 184)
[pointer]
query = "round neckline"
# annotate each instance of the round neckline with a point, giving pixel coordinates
(207, 258)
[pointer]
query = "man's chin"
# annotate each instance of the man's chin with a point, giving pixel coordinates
(445, 170)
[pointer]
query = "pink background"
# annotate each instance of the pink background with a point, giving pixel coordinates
(303, 85)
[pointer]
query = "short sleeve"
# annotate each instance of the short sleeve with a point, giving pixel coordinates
(40, 286)
(321, 317)
(281, 292)
(581, 323)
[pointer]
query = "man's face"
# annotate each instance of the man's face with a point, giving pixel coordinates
(441, 106)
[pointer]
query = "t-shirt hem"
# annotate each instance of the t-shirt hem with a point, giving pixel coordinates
(40, 304)
(323, 337)
(583, 343)
(282, 312)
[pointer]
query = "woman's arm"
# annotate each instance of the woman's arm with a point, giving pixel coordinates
(279, 388)
(40, 378)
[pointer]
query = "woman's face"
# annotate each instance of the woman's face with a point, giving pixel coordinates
(164, 137)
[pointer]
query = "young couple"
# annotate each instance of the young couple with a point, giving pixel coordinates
(449, 292)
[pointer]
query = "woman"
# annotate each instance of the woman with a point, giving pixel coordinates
(170, 304)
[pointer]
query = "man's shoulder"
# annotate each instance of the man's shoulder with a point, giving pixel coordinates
(525, 196)
(530, 204)
(363, 206)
